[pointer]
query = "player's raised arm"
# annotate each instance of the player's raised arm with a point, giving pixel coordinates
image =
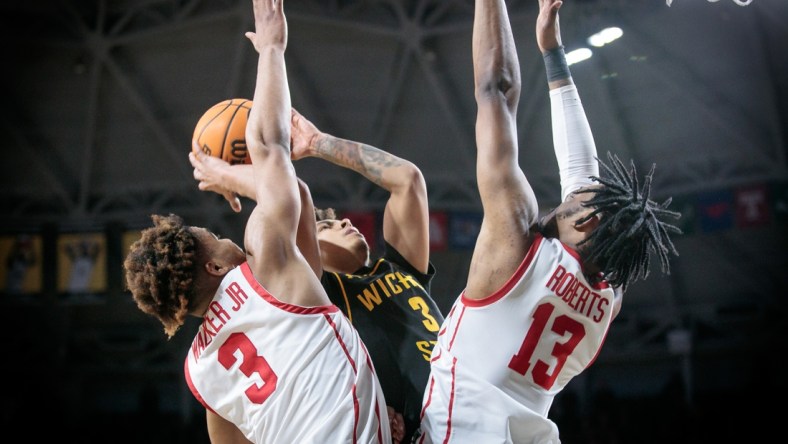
(508, 201)
(406, 215)
(270, 235)
(274, 219)
(573, 141)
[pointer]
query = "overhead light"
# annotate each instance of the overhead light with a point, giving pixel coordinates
(578, 55)
(598, 40)
(605, 36)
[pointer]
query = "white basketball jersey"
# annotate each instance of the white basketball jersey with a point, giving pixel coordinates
(284, 373)
(500, 361)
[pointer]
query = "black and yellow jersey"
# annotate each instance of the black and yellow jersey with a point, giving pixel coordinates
(390, 305)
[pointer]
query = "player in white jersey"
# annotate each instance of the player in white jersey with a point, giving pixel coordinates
(273, 361)
(253, 376)
(540, 294)
(398, 331)
(514, 365)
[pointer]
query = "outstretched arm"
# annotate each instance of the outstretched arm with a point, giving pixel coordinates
(271, 226)
(573, 141)
(406, 216)
(508, 200)
(270, 236)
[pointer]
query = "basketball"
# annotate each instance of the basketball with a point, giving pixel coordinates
(221, 131)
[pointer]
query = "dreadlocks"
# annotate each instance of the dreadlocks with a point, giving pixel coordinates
(631, 227)
(160, 271)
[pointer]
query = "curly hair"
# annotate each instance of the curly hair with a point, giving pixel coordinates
(632, 226)
(323, 214)
(160, 271)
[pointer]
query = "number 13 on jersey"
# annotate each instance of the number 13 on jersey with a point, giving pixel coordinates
(562, 325)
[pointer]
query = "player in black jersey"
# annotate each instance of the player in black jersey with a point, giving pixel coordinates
(387, 299)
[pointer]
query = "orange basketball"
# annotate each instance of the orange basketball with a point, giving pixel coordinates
(221, 131)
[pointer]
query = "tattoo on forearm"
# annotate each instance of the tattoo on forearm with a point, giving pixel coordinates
(362, 158)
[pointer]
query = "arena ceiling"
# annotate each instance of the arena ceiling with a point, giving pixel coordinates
(101, 98)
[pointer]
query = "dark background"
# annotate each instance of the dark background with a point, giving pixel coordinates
(101, 98)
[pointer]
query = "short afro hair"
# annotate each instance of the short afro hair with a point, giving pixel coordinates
(160, 271)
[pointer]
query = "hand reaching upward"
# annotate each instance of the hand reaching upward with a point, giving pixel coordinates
(548, 34)
(270, 25)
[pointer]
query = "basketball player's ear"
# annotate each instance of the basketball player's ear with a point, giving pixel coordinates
(216, 268)
(588, 225)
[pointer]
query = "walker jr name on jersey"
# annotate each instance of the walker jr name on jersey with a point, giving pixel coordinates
(216, 317)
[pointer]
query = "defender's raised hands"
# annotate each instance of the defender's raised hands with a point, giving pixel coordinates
(270, 24)
(548, 33)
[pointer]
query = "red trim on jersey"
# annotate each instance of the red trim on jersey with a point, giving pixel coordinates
(572, 252)
(355, 414)
(355, 371)
(297, 309)
(344, 295)
(369, 360)
(341, 342)
(437, 356)
(456, 328)
(601, 343)
(191, 385)
(600, 284)
(371, 366)
(429, 401)
(444, 326)
(529, 257)
(451, 399)
(597, 350)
